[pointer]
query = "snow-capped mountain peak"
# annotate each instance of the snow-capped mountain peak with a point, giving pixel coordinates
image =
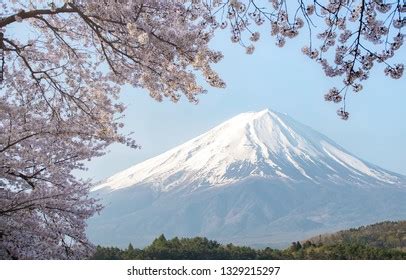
(258, 178)
(255, 144)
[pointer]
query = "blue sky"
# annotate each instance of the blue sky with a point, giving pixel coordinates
(279, 79)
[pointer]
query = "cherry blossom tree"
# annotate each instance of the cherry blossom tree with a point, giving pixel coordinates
(346, 37)
(60, 79)
(58, 104)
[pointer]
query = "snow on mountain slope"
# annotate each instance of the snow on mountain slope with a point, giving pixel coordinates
(254, 144)
(258, 178)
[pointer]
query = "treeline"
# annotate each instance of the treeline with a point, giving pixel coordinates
(389, 235)
(199, 248)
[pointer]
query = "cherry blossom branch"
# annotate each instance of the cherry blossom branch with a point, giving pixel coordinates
(33, 13)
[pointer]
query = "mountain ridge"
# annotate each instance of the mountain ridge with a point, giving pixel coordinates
(296, 147)
(260, 177)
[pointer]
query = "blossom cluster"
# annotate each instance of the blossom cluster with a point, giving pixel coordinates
(350, 37)
(59, 86)
(58, 103)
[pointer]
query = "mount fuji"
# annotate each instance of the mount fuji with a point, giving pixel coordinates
(260, 178)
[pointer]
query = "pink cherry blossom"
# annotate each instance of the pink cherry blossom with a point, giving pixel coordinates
(60, 83)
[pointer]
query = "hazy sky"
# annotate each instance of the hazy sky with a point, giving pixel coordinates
(279, 79)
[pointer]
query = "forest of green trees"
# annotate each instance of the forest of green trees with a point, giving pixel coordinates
(380, 241)
(389, 235)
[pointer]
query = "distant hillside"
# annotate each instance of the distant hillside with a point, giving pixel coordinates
(375, 242)
(388, 235)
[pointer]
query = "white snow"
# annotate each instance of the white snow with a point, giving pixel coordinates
(357, 165)
(265, 144)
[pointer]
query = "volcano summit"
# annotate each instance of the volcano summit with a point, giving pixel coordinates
(260, 178)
